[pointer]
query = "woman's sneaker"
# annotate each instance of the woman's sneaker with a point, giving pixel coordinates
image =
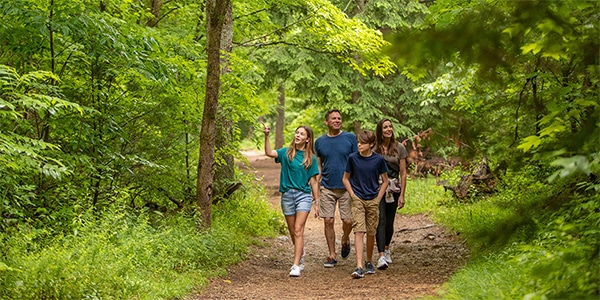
(295, 271)
(381, 263)
(388, 256)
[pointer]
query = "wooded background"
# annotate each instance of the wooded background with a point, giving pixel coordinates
(145, 103)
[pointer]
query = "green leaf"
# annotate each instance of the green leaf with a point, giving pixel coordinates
(534, 48)
(530, 142)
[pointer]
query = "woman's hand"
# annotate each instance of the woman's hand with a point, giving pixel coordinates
(401, 201)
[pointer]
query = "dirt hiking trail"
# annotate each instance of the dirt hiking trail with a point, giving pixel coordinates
(424, 256)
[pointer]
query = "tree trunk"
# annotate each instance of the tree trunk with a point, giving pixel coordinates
(215, 13)
(225, 173)
(280, 118)
(155, 6)
(356, 125)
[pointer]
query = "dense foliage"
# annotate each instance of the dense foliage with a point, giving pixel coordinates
(122, 254)
(529, 240)
(101, 104)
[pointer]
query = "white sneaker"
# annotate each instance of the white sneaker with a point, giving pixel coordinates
(295, 271)
(388, 256)
(381, 263)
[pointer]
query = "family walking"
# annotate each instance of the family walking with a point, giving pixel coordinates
(363, 175)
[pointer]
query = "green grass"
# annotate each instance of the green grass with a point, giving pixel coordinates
(122, 255)
(422, 196)
(529, 240)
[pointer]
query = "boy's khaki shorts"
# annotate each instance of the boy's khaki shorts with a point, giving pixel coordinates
(365, 215)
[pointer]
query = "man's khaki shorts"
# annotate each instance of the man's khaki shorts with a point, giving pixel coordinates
(329, 197)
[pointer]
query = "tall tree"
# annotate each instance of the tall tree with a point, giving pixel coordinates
(224, 169)
(280, 120)
(215, 19)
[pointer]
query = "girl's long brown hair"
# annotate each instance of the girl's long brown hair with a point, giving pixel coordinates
(392, 148)
(309, 149)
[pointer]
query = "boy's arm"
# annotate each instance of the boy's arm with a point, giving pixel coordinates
(346, 181)
(383, 187)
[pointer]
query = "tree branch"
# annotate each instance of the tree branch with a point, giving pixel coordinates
(516, 136)
(250, 14)
(416, 228)
(258, 45)
(275, 31)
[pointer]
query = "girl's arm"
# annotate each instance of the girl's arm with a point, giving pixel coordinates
(268, 151)
(314, 186)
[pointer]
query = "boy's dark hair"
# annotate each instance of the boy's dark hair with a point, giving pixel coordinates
(330, 112)
(366, 137)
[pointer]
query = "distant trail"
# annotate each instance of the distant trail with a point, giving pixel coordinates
(424, 256)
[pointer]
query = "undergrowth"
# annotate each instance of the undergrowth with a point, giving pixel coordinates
(528, 240)
(120, 254)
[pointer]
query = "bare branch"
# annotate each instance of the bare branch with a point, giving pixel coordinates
(275, 31)
(250, 14)
(259, 45)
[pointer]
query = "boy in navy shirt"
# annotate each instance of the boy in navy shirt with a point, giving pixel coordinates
(362, 180)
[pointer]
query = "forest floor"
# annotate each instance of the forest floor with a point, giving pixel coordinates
(424, 256)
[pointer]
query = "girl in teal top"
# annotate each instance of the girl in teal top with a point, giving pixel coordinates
(298, 186)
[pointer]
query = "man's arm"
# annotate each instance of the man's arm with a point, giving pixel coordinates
(320, 164)
(314, 186)
(347, 185)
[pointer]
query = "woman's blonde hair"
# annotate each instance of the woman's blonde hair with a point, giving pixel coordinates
(309, 149)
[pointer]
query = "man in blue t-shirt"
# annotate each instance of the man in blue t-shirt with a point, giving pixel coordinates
(332, 151)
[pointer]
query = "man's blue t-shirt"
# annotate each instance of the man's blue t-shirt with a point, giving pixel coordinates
(334, 152)
(293, 174)
(364, 174)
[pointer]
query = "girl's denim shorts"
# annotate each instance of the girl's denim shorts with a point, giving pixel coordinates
(294, 201)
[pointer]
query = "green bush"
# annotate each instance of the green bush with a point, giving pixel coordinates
(532, 239)
(124, 255)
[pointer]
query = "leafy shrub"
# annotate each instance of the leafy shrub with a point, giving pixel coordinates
(125, 255)
(563, 259)
(536, 241)
(250, 213)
